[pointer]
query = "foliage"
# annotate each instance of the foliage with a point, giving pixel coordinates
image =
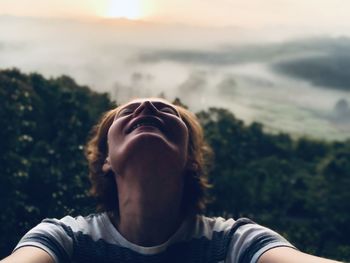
(44, 126)
(300, 188)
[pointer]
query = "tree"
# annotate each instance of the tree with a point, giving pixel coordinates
(45, 124)
(298, 187)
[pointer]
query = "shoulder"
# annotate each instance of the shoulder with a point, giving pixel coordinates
(250, 240)
(57, 236)
(85, 224)
(242, 239)
(210, 225)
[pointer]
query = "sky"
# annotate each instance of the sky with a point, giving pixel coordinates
(254, 13)
(282, 63)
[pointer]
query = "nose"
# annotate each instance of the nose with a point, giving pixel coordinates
(146, 107)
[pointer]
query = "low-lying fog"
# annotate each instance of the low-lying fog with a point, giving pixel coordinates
(292, 81)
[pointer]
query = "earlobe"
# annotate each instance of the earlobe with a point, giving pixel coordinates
(106, 167)
(191, 165)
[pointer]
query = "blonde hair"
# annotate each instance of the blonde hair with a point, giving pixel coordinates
(104, 187)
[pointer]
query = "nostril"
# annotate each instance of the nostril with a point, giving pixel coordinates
(149, 104)
(145, 106)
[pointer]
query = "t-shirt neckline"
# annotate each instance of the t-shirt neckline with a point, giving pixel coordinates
(179, 235)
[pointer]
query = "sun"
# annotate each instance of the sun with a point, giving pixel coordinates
(131, 9)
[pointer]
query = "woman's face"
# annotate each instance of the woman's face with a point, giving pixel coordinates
(147, 131)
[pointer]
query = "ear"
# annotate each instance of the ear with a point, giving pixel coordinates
(106, 167)
(191, 165)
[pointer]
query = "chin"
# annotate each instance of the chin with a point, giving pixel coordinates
(152, 147)
(149, 143)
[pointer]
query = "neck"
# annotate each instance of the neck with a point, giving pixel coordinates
(149, 206)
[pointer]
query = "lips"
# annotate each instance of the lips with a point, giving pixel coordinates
(145, 121)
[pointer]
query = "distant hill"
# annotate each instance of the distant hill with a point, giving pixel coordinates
(327, 65)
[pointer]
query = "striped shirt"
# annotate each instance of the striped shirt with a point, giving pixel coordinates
(201, 239)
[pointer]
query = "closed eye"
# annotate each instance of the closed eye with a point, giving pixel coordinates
(125, 111)
(168, 110)
(160, 107)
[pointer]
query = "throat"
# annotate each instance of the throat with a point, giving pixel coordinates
(149, 213)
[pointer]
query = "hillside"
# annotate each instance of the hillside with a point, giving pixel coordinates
(298, 187)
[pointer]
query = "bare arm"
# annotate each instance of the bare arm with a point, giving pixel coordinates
(29, 255)
(290, 255)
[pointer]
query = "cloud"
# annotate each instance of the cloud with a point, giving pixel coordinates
(195, 83)
(205, 67)
(237, 54)
(136, 86)
(338, 119)
(139, 77)
(227, 86)
(324, 62)
(6, 46)
(341, 112)
(222, 57)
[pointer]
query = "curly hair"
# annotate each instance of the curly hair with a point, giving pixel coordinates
(104, 187)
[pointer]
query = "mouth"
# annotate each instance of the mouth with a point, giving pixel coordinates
(145, 122)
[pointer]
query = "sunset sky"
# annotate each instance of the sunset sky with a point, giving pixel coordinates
(323, 13)
(283, 63)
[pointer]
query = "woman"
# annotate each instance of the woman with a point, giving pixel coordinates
(147, 161)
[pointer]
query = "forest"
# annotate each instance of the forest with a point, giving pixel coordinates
(297, 187)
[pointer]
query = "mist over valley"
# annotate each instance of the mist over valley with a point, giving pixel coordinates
(292, 81)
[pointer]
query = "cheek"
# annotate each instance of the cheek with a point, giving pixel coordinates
(183, 136)
(111, 135)
(186, 140)
(114, 135)
(186, 136)
(115, 146)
